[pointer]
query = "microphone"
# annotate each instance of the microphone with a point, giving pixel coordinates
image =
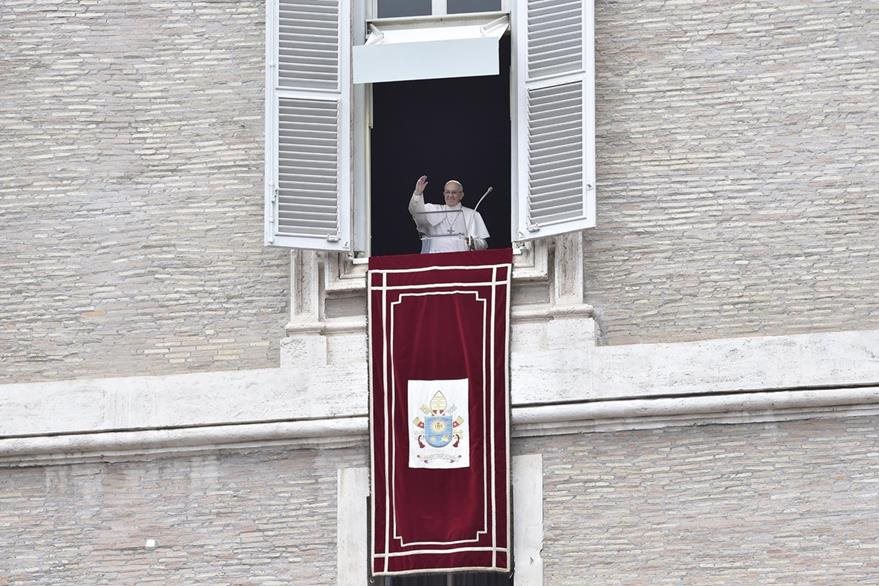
(487, 191)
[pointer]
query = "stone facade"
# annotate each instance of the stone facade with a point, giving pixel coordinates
(778, 503)
(791, 502)
(131, 191)
(736, 157)
(244, 517)
(737, 150)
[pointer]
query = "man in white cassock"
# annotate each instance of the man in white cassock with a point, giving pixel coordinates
(450, 227)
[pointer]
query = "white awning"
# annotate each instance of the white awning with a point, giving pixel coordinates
(440, 50)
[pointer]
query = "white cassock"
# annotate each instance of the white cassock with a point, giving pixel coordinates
(443, 228)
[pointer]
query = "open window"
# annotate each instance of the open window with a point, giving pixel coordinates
(327, 184)
(444, 128)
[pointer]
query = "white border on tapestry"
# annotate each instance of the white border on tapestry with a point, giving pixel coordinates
(486, 440)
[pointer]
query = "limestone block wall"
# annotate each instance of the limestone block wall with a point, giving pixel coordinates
(761, 503)
(131, 191)
(738, 145)
(777, 503)
(265, 516)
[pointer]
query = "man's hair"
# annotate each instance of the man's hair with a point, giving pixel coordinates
(461, 185)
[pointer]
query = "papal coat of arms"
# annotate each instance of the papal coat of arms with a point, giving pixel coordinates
(437, 423)
(439, 430)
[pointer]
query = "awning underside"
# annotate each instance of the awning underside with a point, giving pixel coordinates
(430, 52)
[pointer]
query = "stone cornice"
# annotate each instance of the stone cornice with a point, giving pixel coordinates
(561, 382)
(551, 419)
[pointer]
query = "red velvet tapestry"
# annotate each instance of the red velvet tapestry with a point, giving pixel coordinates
(440, 412)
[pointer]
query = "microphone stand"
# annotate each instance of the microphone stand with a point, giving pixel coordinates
(476, 207)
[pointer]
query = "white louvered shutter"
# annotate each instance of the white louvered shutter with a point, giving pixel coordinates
(308, 128)
(555, 127)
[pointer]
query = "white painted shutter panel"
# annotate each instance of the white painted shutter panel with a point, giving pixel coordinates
(308, 128)
(555, 120)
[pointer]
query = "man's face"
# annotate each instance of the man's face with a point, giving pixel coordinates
(453, 193)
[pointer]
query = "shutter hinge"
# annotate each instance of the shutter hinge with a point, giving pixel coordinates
(273, 220)
(533, 228)
(332, 238)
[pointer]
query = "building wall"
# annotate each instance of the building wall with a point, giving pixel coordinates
(736, 151)
(131, 191)
(779, 503)
(246, 517)
(738, 145)
(787, 502)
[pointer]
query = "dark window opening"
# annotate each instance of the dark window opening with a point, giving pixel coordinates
(394, 8)
(459, 6)
(446, 129)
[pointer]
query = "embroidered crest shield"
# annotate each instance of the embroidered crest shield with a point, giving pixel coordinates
(438, 430)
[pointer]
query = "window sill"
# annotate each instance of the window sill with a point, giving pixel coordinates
(343, 273)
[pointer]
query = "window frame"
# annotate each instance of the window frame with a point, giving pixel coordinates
(362, 124)
(362, 14)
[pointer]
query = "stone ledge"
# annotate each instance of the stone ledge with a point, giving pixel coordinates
(586, 417)
(553, 361)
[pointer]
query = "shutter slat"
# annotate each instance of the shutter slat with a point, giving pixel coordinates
(315, 232)
(303, 178)
(312, 80)
(563, 136)
(325, 145)
(546, 165)
(310, 138)
(321, 168)
(550, 177)
(549, 156)
(552, 125)
(546, 31)
(307, 203)
(562, 110)
(559, 199)
(563, 216)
